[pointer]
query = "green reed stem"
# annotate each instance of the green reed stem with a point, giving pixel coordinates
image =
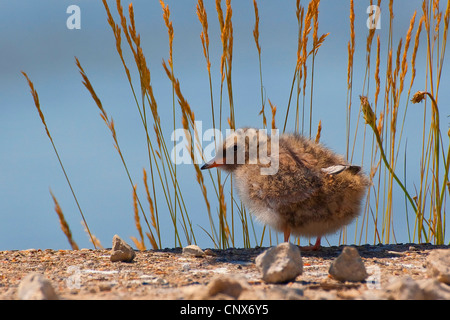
(370, 120)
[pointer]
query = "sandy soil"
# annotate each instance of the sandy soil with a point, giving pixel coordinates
(168, 274)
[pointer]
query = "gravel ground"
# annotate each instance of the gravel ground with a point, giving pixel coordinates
(168, 274)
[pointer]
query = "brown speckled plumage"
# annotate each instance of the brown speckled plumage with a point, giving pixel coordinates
(313, 193)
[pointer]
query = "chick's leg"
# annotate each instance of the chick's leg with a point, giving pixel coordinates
(287, 234)
(315, 247)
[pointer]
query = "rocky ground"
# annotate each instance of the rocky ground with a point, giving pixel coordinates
(395, 272)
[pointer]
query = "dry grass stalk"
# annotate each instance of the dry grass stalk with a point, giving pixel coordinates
(391, 10)
(123, 22)
(397, 66)
(377, 72)
(95, 241)
(300, 12)
(301, 60)
(301, 70)
(274, 111)
(306, 30)
(298, 73)
(388, 81)
(37, 104)
(89, 87)
(188, 115)
(351, 51)
(319, 130)
(227, 57)
(369, 115)
(437, 216)
(117, 35)
(380, 124)
(405, 51)
(316, 22)
(437, 16)
(369, 44)
(370, 119)
(63, 223)
(414, 54)
(138, 243)
(132, 27)
(188, 119)
(427, 23)
(166, 16)
(395, 101)
(139, 58)
(404, 68)
(152, 240)
(220, 14)
(203, 18)
(142, 66)
(223, 223)
(396, 92)
(258, 47)
(319, 43)
(431, 144)
(226, 33)
(110, 122)
(444, 39)
(153, 217)
(225, 36)
(41, 115)
(256, 29)
(316, 45)
(351, 44)
(374, 149)
(226, 27)
(169, 25)
(133, 40)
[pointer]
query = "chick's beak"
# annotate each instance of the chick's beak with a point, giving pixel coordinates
(213, 163)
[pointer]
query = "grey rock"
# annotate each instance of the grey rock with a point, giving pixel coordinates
(282, 292)
(193, 250)
(121, 251)
(280, 264)
(348, 266)
(105, 287)
(35, 286)
(159, 281)
(185, 267)
(324, 295)
(272, 292)
(220, 287)
(438, 265)
(209, 252)
(228, 286)
(434, 289)
(404, 288)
